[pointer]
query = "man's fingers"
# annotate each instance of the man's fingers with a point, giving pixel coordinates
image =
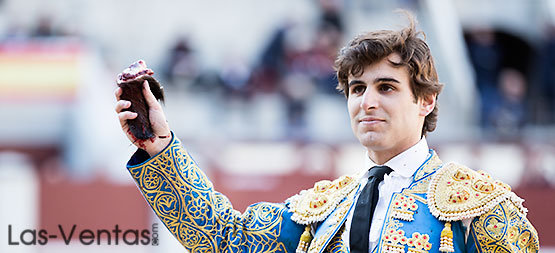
(149, 97)
(123, 116)
(118, 93)
(122, 104)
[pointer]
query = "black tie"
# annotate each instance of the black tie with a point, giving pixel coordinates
(364, 210)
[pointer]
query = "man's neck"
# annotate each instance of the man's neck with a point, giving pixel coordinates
(380, 157)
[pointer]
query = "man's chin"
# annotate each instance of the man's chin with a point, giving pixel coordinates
(372, 142)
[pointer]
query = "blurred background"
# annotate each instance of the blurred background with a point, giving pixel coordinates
(251, 92)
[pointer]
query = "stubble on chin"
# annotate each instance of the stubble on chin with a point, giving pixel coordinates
(370, 140)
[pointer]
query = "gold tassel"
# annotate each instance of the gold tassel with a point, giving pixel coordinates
(305, 240)
(446, 244)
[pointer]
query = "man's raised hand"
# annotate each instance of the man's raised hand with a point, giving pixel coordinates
(162, 134)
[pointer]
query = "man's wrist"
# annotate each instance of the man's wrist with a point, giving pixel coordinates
(158, 145)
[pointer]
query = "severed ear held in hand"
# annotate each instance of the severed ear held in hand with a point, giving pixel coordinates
(131, 80)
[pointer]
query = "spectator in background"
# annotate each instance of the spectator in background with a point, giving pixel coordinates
(235, 75)
(328, 40)
(547, 85)
(44, 28)
(272, 64)
(180, 67)
(317, 60)
(297, 88)
(310, 72)
(486, 56)
(284, 67)
(331, 13)
(509, 112)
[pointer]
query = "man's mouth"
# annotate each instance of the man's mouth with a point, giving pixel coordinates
(370, 120)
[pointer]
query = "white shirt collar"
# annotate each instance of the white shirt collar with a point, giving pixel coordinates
(407, 162)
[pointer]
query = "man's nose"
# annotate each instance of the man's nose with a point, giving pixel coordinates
(370, 100)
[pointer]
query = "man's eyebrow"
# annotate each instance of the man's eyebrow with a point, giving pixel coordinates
(356, 81)
(377, 80)
(386, 80)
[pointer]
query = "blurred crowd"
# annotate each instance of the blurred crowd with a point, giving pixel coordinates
(515, 78)
(285, 67)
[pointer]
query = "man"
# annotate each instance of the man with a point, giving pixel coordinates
(404, 200)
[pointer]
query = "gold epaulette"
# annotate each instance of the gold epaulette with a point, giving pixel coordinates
(314, 205)
(457, 192)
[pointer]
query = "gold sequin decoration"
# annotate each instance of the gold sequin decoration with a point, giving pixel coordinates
(393, 238)
(419, 243)
(457, 192)
(314, 205)
(403, 207)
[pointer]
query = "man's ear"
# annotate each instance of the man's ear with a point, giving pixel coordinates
(427, 104)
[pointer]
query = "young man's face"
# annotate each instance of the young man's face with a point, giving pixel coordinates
(385, 117)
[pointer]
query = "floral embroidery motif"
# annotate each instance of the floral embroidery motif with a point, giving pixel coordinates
(495, 228)
(504, 229)
(512, 235)
(419, 243)
(403, 207)
(394, 240)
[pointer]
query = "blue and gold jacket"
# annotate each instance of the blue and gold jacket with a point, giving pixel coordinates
(424, 217)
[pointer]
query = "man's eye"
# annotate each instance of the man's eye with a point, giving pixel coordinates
(359, 89)
(386, 88)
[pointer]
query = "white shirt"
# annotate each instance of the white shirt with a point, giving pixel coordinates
(404, 165)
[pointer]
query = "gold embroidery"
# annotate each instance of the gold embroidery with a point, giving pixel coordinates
(495, 227)
(184, 199)
(524, 239)
(305, 240)
(319, 243)
(429, 167)
(512, 234)
(394, 240)
(420, 186)
(314, 205)
(421, 181)
(337, 244)
(446, 240)
(457, 192)
(403, 207)
(419, 243)
(504, 229)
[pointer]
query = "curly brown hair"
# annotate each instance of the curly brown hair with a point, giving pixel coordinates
(371, 47)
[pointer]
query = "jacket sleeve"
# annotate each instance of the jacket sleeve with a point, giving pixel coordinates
(504, 228)
(202, 219)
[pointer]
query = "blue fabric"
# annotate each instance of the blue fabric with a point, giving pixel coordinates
(202, 219)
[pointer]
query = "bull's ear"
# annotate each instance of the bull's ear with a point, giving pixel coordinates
(156, 88)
